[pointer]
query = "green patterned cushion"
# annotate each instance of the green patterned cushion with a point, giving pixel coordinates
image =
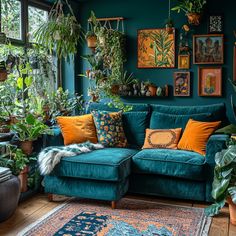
(109, 127)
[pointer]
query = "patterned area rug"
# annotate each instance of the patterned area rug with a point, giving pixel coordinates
(131, 218)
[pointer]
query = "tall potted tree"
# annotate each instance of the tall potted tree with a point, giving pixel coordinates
(224, 184)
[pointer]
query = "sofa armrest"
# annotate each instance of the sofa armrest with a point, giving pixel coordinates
(215, 144)
(53, 140)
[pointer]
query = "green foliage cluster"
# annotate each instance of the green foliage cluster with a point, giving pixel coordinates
(189, 6)
(224, 184)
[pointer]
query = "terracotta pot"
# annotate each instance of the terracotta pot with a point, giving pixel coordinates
(232, 211)
(92, 41)
(3, 75)
(115, 89)
(23, 177)
(194, 18)
(26, 147)
(152, 90)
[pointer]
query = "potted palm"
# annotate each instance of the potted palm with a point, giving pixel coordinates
(224, 184)
(28, 130)
(192, 8)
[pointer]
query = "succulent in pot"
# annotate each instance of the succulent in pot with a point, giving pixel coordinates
(224, 184)
(192, 8)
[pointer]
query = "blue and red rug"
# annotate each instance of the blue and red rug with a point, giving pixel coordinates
(131, 218)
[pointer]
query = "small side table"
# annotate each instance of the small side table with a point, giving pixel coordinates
(9, 197)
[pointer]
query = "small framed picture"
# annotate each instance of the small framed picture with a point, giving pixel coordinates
(210, 81)
(208, 49)
(184, 62)
(182, 84)
(215, 24)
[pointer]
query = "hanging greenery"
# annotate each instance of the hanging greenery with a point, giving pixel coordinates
(61, 32)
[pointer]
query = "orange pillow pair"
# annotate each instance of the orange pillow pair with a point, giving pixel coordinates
(77, 129)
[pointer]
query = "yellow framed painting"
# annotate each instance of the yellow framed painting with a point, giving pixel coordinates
(156, 48)
(184, 61)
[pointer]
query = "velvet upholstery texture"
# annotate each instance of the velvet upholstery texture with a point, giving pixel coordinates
(169, 162)
(94, 106)
(135, 124)
(165, 186)
(110, 164)
(170, 121)
(74, 187)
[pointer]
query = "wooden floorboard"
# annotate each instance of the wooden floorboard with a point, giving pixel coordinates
(34, 208)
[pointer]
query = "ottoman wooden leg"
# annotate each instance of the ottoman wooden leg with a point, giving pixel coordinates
(113, 204)
(50, 197)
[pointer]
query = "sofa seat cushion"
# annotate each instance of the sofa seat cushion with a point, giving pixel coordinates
(176, 163)
(110, 164)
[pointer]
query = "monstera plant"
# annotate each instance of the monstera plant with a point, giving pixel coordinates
(224, 184)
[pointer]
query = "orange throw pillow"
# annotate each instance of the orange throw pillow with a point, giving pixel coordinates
(196, 135)
(162, 138)
(77, 129)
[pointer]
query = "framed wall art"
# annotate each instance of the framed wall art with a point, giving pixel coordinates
(182, 84)
(210, 81)
(208, 49)
(184, 61)
(215, 24)
(156, 48)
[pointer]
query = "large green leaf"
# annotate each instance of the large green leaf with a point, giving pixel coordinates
(214, 208)
(30, 119)
(232, 192)
(226, 157)
(219, 187)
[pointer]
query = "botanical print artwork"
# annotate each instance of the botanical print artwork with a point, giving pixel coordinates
(208, 49)
(156, 48)
(210, 80)
(182, 84)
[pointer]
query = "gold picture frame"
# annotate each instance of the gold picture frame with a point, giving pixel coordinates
(184, 62)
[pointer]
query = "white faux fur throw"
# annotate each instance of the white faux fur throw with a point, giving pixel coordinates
(49, 157)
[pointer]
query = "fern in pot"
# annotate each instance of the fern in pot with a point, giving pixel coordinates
(61, 32)
(224, 184)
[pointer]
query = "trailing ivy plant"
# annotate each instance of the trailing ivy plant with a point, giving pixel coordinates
(61, 32)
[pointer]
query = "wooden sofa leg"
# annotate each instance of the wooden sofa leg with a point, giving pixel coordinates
(50, 197)
(113, 205)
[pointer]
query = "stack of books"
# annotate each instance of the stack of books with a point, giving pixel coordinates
(5, 174)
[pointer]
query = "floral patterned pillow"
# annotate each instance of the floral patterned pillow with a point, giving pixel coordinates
(109, 127)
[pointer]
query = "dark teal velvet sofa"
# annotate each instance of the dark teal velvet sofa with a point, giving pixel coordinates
(108, 174)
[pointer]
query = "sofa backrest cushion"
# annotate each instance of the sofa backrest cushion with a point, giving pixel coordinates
(217, 111)
(104, 107)
(135, 125)
(170, 121)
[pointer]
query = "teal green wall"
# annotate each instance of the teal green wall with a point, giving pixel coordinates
(151, 14)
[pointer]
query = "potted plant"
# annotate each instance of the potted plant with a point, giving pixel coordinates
(61, 32)
(224, 187)
(126, 83)
(91, 39)
(17, 161)
(28, 130)
(192, 8)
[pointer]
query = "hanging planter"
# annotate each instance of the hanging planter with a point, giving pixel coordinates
(61, 32)
(192, 8)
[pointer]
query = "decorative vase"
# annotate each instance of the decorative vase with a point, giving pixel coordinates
(232, 211)
(23, 177)
(152, 90)
(26, 147)
(194, 18)
(92, 41)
